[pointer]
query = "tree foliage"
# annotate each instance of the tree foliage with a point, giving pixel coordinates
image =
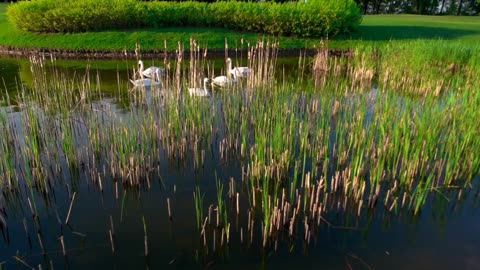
(430, 7)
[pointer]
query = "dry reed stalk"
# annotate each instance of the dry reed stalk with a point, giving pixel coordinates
(393, 204)
(253, 196)
(146, 245)
(209, 214)
(31, 208)
(251, 231)
(178, 68)
(25, 226)
(238, 203)
(320, 65)
(222, 237)
(386, 198)
(110, 233)
(100, 182)
(40, 242)
(168, 208)
(312, 199)
(23, 262)
(290, 228)
(305, 221)
(111, 225)
(319, 214)
(227, 232)
(70, 207)
(241, 235)
(359, 207)
(204, 239)
(63, 246)
(202, 232)
(214, 239)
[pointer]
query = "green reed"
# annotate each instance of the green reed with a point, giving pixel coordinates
(7, 151)
(198, 201)
(370, 129)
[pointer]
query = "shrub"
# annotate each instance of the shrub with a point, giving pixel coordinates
(314, 18)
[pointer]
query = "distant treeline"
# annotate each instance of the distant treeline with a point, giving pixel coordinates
(427, 7)
(313, 18)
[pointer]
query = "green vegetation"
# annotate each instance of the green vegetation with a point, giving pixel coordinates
(380, 29)
(444, 7)
(314, 18)
(327, 138)
(384, 128)
(408, 27)
(149, 39)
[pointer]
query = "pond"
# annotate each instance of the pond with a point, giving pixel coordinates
(102, 176)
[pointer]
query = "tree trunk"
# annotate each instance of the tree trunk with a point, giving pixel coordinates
(443, 5)
(365, 6)
(459, 11)
(377, 6)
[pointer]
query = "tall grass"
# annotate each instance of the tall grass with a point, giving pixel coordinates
(372, 130)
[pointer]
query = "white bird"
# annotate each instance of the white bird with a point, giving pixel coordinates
(224, 80)
(237, 72)
(147, 82)
(200, 92)
(151, 71)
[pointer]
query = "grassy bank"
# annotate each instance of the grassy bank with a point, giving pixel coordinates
(406, 27)
(374, 28)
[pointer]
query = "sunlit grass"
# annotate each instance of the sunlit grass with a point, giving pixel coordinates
(377, 129)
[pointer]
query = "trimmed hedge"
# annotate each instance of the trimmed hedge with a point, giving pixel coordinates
(314, 18)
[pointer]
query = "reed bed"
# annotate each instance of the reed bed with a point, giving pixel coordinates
(372, 130)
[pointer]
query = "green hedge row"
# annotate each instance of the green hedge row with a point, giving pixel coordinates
(314, 18)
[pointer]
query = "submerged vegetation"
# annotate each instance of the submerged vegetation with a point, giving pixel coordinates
(381, 128)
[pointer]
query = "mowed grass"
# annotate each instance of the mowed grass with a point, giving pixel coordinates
(386, 28)
(380, 29)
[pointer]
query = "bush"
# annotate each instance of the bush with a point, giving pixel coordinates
(314, 18)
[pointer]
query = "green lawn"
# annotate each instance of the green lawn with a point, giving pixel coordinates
(374, 28)
(405, 27)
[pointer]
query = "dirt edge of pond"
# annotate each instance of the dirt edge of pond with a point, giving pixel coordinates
(125, 54)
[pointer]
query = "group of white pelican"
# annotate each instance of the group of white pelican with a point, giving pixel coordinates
(151, 77)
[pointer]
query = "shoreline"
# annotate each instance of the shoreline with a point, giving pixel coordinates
(130, 54)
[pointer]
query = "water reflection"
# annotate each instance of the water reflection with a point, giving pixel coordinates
(115, 223)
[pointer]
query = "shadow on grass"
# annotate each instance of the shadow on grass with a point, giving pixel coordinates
(385, 33)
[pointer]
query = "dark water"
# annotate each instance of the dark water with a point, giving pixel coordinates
(445, 235)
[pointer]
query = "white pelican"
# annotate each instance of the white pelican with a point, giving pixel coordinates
(149, 72)
(237, 72)
(200, 92)
(147, 82)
